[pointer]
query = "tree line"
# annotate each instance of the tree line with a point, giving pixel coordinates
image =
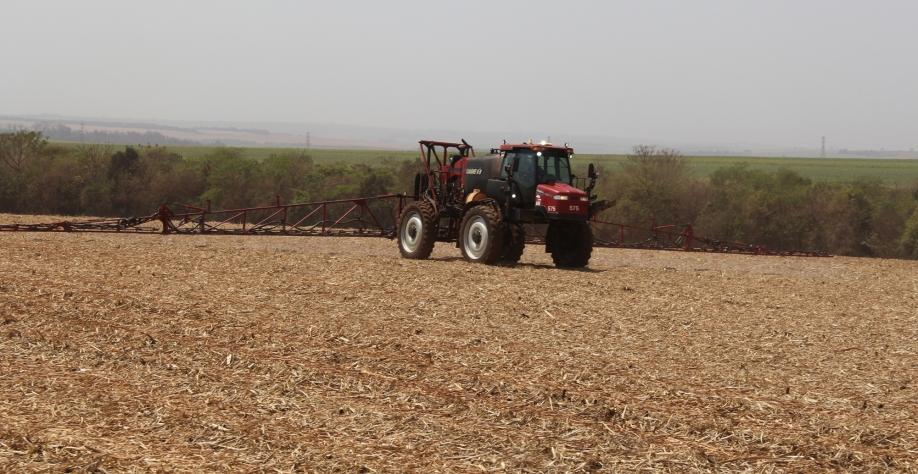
(38, 177)
(781, 209)
(61, 132)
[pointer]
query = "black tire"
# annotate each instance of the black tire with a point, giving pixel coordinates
(570, 243)
(481, 235)
(417, 230)
(514, 243)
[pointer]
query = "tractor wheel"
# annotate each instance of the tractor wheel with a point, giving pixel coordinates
(417, 230)
(514, 243)
(570, 244)
(481, 236)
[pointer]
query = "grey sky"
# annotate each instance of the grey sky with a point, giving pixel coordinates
(772, 72)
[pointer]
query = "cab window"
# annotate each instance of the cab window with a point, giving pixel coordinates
(554, 167)
(509, 159)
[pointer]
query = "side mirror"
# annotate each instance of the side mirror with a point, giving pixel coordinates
(591, 172)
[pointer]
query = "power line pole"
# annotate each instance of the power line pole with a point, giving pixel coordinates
(822, 154)
(308, 140)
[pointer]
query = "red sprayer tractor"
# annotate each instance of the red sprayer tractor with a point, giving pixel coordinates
(482, 203)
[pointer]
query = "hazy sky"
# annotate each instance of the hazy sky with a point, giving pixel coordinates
(768, 72)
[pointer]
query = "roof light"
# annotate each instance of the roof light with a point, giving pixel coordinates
(543, 143)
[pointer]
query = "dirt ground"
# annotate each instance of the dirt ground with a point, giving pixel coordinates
(193, 353)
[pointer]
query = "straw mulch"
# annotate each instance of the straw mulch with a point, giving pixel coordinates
(189, 353)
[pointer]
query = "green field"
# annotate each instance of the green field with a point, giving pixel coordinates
(319, 155)
(892, 171)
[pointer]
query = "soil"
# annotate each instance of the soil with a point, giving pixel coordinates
(191, 353)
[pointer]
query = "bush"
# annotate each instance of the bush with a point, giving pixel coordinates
(780, 210)
(653, 185)
(908, 243)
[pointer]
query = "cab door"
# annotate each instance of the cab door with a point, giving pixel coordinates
(524, 173)
(498, 187)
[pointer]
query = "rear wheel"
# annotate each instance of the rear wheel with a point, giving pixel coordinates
(514, 243)
(417, 230)
(481, 236)
(570, 243)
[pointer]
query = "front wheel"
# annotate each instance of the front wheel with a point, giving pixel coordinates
(481, 235)
(570, 243)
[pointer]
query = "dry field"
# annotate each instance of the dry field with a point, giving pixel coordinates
(191, 353)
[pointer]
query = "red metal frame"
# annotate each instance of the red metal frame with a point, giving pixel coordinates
(683, 237)
(346, 217)
(428, 152)
(360, 217)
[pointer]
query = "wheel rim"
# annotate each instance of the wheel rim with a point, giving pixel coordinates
(476, 238)
(411, 232)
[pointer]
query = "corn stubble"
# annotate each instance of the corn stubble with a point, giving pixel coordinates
(138, 353)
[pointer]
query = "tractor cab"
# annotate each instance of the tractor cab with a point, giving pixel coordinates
(536, 170)
(540, 182)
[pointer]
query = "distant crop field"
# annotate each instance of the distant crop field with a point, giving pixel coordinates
(891, 171)
(319, 155)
